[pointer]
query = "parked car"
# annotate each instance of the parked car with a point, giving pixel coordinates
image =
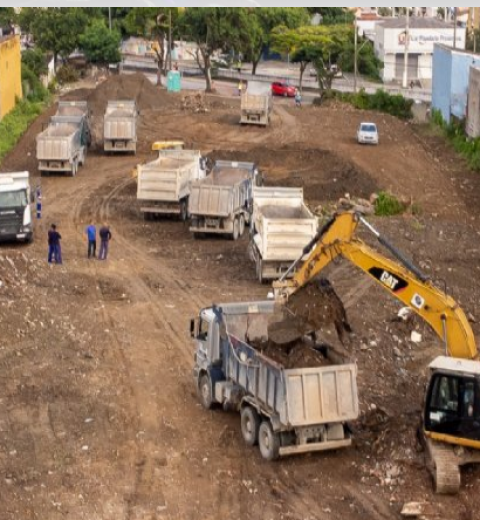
(367, 133)
(282, 88)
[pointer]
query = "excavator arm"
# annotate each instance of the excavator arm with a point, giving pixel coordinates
(402, 280)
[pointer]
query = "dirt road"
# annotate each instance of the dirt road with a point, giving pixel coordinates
(98, 414)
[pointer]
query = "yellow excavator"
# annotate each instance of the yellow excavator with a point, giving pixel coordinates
(451, 418)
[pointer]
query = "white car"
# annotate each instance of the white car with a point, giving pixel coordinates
(367, 133)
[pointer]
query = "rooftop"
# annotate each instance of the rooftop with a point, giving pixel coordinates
(415, 23)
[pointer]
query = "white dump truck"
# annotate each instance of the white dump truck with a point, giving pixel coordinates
(16, 222)
(284, 411)
(164, 185)
(120, 127)
(256, 104)
(221, 203)
(62, 147)
(282, 227)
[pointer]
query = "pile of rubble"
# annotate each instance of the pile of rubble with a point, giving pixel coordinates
(196, 103)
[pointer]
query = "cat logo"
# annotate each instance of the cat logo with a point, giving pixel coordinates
(389, 280)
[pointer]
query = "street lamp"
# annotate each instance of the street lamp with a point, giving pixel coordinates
(110, 18)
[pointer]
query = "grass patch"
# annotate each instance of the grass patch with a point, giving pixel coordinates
(462, 144)
(16, 123)
(387, 205)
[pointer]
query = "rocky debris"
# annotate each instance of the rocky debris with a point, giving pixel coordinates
(196, 103)
(357, 205)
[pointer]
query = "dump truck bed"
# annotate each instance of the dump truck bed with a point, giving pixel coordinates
(283, 223)
(58, 142)
(120, 121)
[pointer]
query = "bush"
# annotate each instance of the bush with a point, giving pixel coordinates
(33, 88)
(463, 145)
(67, 74)
(395, 105)
(14, 124)
(387, 205)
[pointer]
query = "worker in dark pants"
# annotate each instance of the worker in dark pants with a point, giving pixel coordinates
(105, 237)
(54, 250)
(91, 233)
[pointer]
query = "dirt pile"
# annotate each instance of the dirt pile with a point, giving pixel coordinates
(196, 103)
(311, 309)
(292, 356)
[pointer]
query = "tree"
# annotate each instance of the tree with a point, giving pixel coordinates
(7, 16)
(153, 23)
(385, 11)
(57, 30)
(322, 46)
(213, 29)
(368, 64)
(261, 23)
(333, 15)
(36, 61)
(99, 44)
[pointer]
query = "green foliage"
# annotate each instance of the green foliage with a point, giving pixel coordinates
(57, 30)
(463, 145)
(33, 88)
(67, 74)
(36, 61)
(395, 105)
(385, 11)
(321, 45)
(7, 16)
(99, 44)
(368, 64)
(15, 124)
(333, 15)
(387, 205)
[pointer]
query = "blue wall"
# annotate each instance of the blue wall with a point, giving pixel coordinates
(451, 73)
(441, 82)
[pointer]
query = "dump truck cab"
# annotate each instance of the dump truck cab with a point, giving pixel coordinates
(15, 211)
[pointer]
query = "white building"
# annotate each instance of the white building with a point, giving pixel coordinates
(390, 43)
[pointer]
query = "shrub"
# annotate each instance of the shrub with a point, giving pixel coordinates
(33, 88)
(14, 124)
(67, 74)
(395, 105)
(387, 205)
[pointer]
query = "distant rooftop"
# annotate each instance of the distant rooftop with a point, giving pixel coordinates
(416, 22)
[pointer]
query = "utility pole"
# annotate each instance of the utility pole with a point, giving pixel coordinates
(110, 18)
(407, 48)
(170, 41)
(355, 57)
(454, 27)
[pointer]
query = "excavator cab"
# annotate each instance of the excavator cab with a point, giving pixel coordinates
(452, 411)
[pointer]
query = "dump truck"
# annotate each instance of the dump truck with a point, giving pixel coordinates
(62, 146)
(222, 202)
(284, 411)
(256, 104)
(15, 212)
(282, 227)
(163, 185)
(120, 127)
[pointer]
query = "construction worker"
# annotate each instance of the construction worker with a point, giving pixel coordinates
(105, 237)
(54, 248)
(91, 233)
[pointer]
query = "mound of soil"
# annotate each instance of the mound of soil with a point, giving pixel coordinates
(295, 355)
(325, 176)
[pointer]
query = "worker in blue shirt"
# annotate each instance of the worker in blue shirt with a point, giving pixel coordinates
(91, 233)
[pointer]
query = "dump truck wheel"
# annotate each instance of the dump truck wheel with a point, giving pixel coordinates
(236, 229)
(268, 441)
(241, 225)
(205, 392)
(250, 425)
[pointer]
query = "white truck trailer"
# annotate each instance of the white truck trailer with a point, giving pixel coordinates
(222, 202)
(284, 411)
(16, 222)
(282, 227)
(120, 127)
(256, 104)
(164, 185)
(62, 147)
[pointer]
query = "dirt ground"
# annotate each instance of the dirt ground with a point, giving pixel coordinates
(99, 419)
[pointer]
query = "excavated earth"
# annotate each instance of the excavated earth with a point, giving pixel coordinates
(99, 418)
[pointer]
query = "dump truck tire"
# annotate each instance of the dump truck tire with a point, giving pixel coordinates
(268, 441)
(205, 392)
(250, 425)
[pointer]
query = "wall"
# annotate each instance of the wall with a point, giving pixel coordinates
(10, 74)
(461, 65)
(473, 110)
(441, 81)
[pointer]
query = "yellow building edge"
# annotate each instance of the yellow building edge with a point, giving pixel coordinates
(10, 73)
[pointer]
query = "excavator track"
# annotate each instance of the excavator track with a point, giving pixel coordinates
(444, 466)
